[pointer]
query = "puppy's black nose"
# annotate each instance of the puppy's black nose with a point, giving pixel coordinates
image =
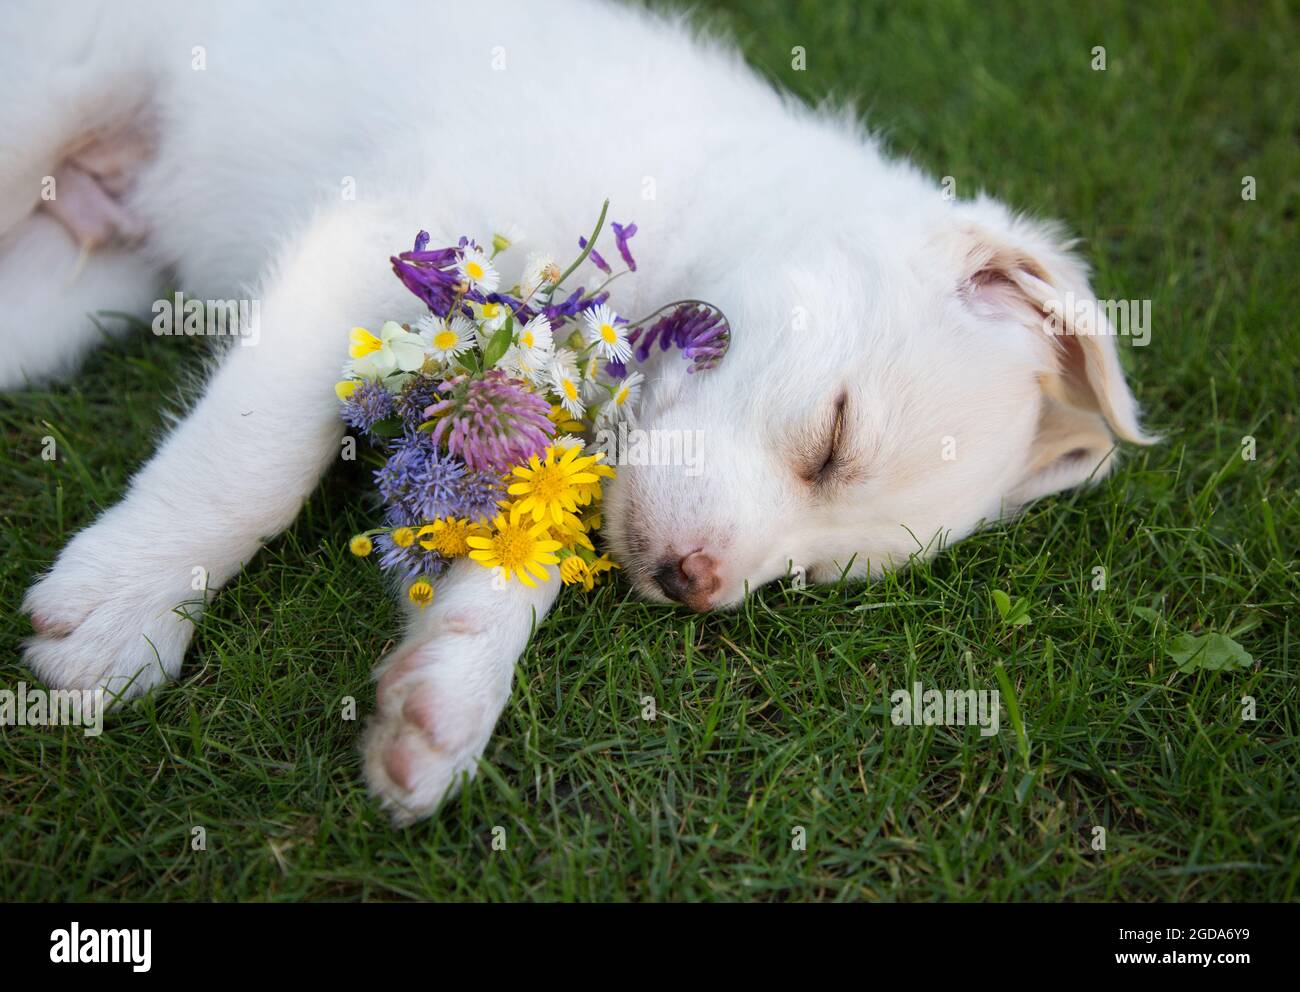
(691, 580)
(670, 579)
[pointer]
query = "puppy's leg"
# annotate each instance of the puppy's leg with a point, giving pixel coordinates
(441, 691)
(112, 610)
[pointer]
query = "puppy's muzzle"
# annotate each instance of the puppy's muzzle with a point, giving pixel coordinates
(691, 581)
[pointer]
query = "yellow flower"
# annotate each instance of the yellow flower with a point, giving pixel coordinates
(572, 534)
(603, 564)
(576, 570)
(563, 422)
(361, 545)
(551, 489)
(591, 491)
(343, 390)
(516, 548)
(421, 592)
(573, 570)
(362, 343)
(394, 348)
(403, 537)
(448, 536)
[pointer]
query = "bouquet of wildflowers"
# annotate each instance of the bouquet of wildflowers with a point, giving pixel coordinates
(475, 411)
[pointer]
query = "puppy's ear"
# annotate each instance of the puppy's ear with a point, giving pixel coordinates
(1021, 272)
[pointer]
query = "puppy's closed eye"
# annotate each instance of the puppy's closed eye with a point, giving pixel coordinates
(819, 455)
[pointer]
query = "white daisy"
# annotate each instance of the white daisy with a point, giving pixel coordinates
(564, 442)
(622, 405)
(592, 386)
(563, 374)
(536, 334)
(603, 330)
(530, 356)
(477, 270)
(540, 271)
(446, 340)
(427, 326)
(525, 364)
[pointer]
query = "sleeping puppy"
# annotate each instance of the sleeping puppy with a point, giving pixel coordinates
(899, 370)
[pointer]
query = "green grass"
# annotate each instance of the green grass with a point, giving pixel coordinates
(776, 717)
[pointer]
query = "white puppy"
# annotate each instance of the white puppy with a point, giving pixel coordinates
(891, 383)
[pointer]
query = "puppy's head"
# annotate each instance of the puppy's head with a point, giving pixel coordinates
(881, 398)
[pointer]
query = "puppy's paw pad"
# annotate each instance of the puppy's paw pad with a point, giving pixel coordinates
(118, 625)
(420, 712)
(46, 626)
(408, 776)
(418, 752)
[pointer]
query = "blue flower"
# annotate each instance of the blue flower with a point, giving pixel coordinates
(698, 329)
(594, 255)
(479, 494)
(416, 396)
(410, 561)
(369, 403)
(419, 483)
(621, 236)
(432, 276)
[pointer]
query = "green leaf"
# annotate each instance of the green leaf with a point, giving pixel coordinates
(1003, 602)
(496, 348)
(1013, 614)
(1146, 613)
(388, 427)
(1017, 723)
(1213, 652)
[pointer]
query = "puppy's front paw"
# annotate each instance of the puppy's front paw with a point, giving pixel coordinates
(112, 613)
(434, 722)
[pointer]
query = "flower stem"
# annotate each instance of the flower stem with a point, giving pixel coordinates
(674, 305)
(591, 243)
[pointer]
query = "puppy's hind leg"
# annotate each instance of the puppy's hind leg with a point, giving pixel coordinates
(50, 293)
(75, 128)
(65, 75)
(113, 610)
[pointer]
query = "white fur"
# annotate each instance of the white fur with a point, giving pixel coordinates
(843, 273)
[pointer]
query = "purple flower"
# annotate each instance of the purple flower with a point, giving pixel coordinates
(557, 313)
(432, 275)
(478, 496)
(492, 422)
(369, 403)
(418, 482)
(595, 257)
(621, 237)
(410, 561)
(698, 329)
(415, 396)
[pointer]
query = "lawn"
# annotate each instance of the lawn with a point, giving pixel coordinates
(776, 717)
